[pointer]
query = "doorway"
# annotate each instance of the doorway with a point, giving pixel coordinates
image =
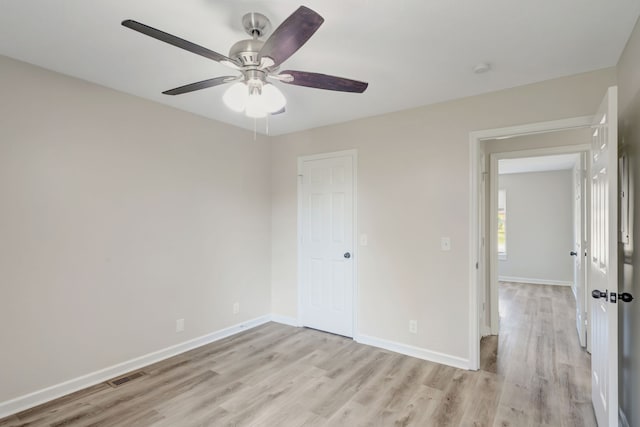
(536, 218)
(531, 301)
(479, 310)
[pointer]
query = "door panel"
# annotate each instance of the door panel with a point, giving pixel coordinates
(326, 225)
(603, 262)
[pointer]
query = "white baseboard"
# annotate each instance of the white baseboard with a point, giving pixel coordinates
(534, 281)
(30, 400)
(418, 352)
(622, 418)
(285, 320)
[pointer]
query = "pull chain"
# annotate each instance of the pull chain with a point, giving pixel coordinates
(267, 126)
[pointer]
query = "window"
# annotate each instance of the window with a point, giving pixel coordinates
(502, 224)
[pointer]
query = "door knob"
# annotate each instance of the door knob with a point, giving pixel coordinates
(573, 253)
(625, 297)
(599, 294)
(347, 255)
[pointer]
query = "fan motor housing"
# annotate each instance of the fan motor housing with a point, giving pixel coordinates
(246, 52)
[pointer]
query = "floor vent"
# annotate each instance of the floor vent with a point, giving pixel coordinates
(117, 382)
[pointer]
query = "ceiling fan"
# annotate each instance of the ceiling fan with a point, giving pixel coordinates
(258, 62)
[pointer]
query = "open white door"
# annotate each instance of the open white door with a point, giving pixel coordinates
(604, 261)
(326, 214)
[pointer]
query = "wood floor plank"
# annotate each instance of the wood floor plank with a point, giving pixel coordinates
(344, 386)
(457, 396)
(420, 408)
(533, 374)
(352, 414)
(482, 409)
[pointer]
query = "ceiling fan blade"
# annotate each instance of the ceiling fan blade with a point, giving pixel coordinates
(178, 42)
(201, 85)
(321, 81)
(291, 35)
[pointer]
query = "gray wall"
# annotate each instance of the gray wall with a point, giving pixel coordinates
(117, 217)
(539, 227)
(629, 326)
(413, 189)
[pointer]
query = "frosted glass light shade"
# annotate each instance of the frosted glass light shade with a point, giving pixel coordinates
(273, 99)
(255, 101)
(255, 106)
(236, 96)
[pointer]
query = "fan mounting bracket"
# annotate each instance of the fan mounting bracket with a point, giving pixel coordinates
(256, 24)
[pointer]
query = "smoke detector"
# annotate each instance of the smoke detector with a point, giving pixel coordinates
(482, 68)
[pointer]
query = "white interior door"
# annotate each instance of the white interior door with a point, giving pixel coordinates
(578, 250)
(604, 265)
(326, 242)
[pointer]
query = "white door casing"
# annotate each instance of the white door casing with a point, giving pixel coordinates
(603, 261)
(476, 138)
(326, 238)
(494, 316)
(586, 232)
(579, 249)
(481, 265)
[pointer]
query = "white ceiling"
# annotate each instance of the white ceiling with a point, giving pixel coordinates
(537, 164)
(412, 52)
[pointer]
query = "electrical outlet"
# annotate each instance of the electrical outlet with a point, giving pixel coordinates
(413, 326)
(236, 308)
(179, 325)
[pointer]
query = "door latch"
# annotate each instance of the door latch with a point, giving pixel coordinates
(599, 294)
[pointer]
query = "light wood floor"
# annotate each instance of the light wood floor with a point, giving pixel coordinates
(534, 374)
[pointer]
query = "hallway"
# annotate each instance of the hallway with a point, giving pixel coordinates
(547, 379)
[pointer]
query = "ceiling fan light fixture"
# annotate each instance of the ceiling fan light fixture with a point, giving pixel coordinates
(257, 60)
(273, 98)
(236, 97)
(255, 107)
(255, 98)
